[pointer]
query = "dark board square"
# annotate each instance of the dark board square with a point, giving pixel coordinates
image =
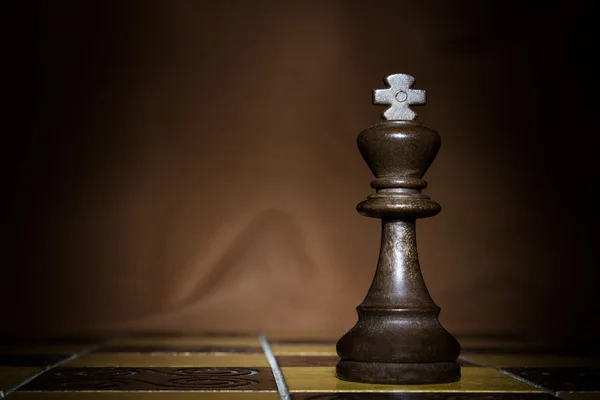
(7, 341)
(562, 378)
(466, 363)
(30, 360)
(422, 396)
(307, 361)
(508, 344)
(181, 349)
(190, 334)
(303, 341)
(155, 378)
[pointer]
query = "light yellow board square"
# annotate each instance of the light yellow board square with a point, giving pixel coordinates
(304, 349)
(185, 341)
(131, 395)
(168, 360)
(531, 360)
(11, 376)
(474, 379)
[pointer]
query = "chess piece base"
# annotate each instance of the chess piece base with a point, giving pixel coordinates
(398, 373)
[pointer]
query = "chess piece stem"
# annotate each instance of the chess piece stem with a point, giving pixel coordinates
(398, 283)
(398, 338)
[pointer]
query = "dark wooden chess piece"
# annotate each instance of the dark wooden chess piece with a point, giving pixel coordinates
(398, 338)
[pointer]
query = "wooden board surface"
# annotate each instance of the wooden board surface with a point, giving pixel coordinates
(271, 366)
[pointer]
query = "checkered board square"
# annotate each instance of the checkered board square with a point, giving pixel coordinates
(271, 366)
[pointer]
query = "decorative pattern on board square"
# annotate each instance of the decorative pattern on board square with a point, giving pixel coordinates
(155, 378)
(562, 379)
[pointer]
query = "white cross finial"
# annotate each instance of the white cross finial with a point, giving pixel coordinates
(400, 97)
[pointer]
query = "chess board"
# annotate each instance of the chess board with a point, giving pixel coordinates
(271, 366)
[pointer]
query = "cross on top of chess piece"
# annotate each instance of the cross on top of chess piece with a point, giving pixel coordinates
(400, 97)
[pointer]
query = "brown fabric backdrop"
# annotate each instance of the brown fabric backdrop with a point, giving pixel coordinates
(192, 165)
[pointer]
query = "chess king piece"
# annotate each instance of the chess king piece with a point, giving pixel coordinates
(398, 338)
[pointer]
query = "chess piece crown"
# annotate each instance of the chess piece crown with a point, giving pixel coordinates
(398, 338)
(399, 152)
